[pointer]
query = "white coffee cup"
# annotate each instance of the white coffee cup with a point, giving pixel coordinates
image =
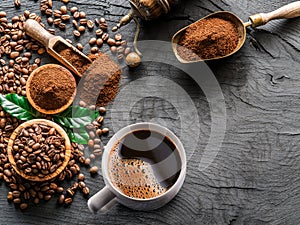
(110, 195)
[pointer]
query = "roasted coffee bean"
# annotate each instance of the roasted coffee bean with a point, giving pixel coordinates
(99, 42)
(61, 199)
(17, 3)
(73, 9)
(59, 189)
(7, 173)
(23, 206)
(105, 130)
(83, 22)
(17, 200)
(76, 33)
(92, 134)
(100, 119)
(16, 194)
(68, 201)
(97, 151)
(113, 49)
(102, 110)
(85, 190)
(63, 9)
(99, 32)
(94, 170)
(82, 103)
(65, 17)
(75, 24)
(76, 15)
(50, 20)
(62, 26)
(2, 14)
(81, 177)
(111, 41)
(97, 146)
(99, 132)
(118, 37)
(70, 192)
(91, 143)
(47, 197)
(120, 49)
(49, 12)
(57, 13)
(10, 196)
(120, 56)
(127, 50)
(51, 31)
(79, 46)
(82, 15)
(90, 24)
(81, 29)
(105, 36)
(92, 41)
(103, 26)
(82, 185)
(14, 55)
(87, 161)
(57, 21)
(102, 20)
(36, 201)
(94, 50)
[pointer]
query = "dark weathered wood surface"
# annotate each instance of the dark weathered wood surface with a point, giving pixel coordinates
(255, 177)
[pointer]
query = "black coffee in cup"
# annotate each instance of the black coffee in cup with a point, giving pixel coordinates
(144, 164)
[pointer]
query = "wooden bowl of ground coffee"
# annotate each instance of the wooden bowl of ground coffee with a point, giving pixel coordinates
(51, 89)
(39, 150)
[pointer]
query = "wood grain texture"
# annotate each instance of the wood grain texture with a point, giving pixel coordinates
(254, 179)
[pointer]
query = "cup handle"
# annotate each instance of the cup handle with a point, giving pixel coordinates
(102, 201)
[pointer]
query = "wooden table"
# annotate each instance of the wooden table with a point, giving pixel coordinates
(254, 177)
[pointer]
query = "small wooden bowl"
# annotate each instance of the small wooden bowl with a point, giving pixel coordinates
(59, 130)
(49, 67)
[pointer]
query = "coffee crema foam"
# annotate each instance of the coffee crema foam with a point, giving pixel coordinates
(133, 177)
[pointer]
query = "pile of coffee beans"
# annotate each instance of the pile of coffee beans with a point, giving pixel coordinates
(17, 61)
(18, 50)
(38, 150)
(62, 16)
(23, 192)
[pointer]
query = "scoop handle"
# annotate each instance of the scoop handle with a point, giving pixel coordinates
(288, 11)
(33, 29)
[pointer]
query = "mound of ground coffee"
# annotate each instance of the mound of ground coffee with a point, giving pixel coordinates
(100, 82)
(208, 38)
(52, 87)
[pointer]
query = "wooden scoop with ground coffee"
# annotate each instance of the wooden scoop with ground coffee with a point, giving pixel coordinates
(58, 48)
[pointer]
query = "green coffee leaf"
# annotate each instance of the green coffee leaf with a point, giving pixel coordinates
(18, 106)
(75, 117)
(79, 136)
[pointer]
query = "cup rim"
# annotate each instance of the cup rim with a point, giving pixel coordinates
(133, 127)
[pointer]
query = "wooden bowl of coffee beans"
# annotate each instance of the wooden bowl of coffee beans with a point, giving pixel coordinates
(51, 89)
(39, 150)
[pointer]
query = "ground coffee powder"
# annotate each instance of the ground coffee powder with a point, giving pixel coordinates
(73, 58)
(49, 92)
(100, 82)
(208, 38)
